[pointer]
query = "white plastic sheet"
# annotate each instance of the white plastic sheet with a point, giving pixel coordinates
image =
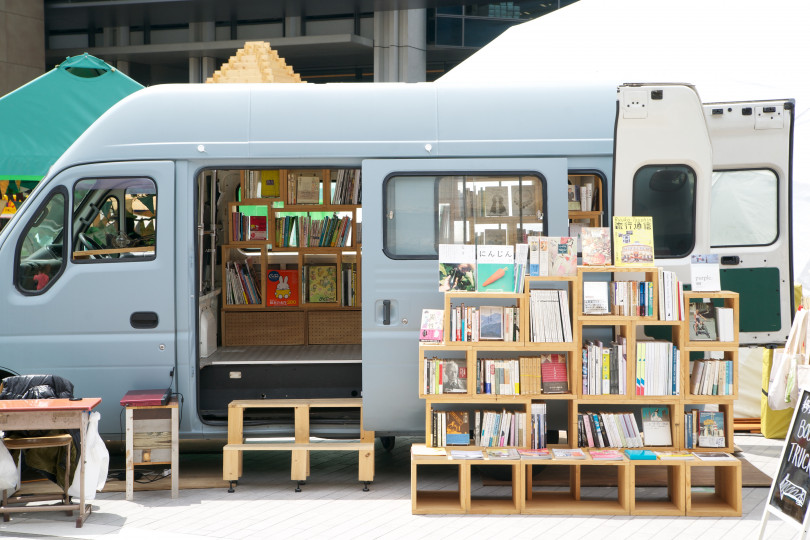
(96, 462)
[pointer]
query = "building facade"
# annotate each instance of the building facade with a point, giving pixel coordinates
(22, 43)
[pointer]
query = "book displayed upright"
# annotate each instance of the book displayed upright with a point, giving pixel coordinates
(496, 201)
(282, 288)
(432, 326)
(308, 190)
(595, 298)
(655, 422)
(595, 246)
(554, 373)
(524, 202)
(712, 429)
(633, 241)
(702, 322)
(538, 255)
(456, 267)
(496, 268)
(322, 283)
(562, 256)
(705, 272)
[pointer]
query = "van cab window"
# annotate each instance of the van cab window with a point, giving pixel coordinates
(667, 194)
(744, 208)
(39, 254)
(422, 212)
(114, 219)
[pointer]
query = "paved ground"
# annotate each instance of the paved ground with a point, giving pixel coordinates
(332, 505)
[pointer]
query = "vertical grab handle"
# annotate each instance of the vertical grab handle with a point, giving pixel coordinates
(386, 312)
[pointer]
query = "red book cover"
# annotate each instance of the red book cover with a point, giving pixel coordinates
(282, 288)
(258, 228)
(554, 374)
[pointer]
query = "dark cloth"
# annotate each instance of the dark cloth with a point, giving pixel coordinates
(49, 461)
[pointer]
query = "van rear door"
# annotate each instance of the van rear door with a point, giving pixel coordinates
(751, 211)
(409, 207)
(89, 274)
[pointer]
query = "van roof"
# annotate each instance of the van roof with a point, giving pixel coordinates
(349, 120)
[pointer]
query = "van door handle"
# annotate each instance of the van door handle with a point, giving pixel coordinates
(729, 259)
(143, 320)
(386, 312)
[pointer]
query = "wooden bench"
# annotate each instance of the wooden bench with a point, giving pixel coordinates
(232, 452)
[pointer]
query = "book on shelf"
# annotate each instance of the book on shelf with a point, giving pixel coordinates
(539, 430)
(633, 241)
(702, 321)
(562, 256)
(604, 367)
(322, 283)
(496, 201)
(606, 455)
(500, 376)
(424, 450)
(538, 255)
(595, 298)
(307, 189)
(491, 323)
(347, 187)
(456, 267)
(631, 298)
(724, 317)
(574, 197)
(270, 183)
(554, 373)
(640, 454)
(282, 288)
(655, 422)
(495, 237)
(241, 285)
(457, 428)
(550, 316)
(658, 368)
(257, 228)
(495, 267)
(445, 376)
(705, 272)
(714, 456)
(536, 453)
(712, 429)
(349, 285)
(675, 454)
(608, 429)
(670, 296)
(711, 377)
(568, 453)
(500, 428)
(521, 266)
(575, 232)
(501, 453)
(432, 326)
(595, 242)
(524, 202)
(466, 454)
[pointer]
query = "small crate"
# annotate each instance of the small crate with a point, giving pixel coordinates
(263, 328)
(335, 327)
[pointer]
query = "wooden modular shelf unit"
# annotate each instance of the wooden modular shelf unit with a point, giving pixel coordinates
(308, 323)
(723, 502)
(591, 218)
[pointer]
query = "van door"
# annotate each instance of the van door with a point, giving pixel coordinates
(751, 211)
(89, 274)
(409, 207)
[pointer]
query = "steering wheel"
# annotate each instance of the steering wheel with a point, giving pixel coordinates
(89, 245)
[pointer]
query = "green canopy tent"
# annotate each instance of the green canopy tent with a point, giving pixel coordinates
(41, 119)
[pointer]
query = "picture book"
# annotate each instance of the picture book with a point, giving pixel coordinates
(257, 228)
(705, 270)
(655, 422)
(454, 377)
(640, 454)
(308, 190)
(456, 267)
(458, 428)
(270, 184)
(595, 246)
(496, 201)
(633, 241)
(568, 453)
(539, 453)
(432, 327)
(562, 256)
(322, 283)
(702, 322)
(496, 268)
(554, 373)
(282, 288)
(538, 255)
(491, 325)
(524, 202)
(712, 434)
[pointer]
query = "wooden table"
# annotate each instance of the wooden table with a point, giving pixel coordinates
(30, 414)
(152, 439)
(232, 452)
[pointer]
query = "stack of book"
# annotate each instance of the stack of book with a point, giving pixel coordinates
(241, 285)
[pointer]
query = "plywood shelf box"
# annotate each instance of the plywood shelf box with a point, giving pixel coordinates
(680, 498)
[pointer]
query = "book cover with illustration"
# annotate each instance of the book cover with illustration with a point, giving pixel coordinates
(270, 184)
(282, 288)
(496, 268)
(496, 201)
(562, 256)
(308, 190)
(322, 283)
(595, 246)
(633, 241)
(257, 228)
(524, 202)
(655, 421)
(712, 429)
(432, 327)
(538, 255)
(458, 428)
(456, 267)
(554, 373)
(702, 322)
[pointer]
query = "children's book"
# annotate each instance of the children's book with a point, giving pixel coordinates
(257, 228)
(633, 241)
(456, 267)
(322, 283)
(496, 268)
(432, 327)
(282, 288)
(595, 246)
(562, 256)
(655, 422)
